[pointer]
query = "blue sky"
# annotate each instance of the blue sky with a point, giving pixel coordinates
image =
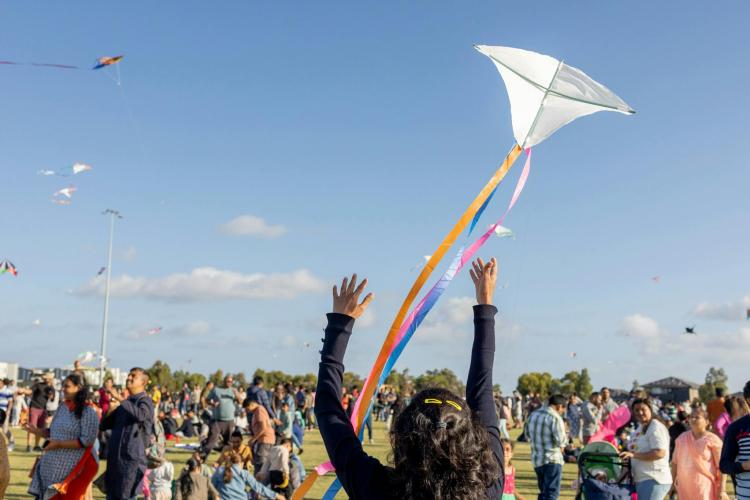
(364, 131)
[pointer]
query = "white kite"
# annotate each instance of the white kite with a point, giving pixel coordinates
(546, 94)
(80, 167)
(504, 232)
(86, 357)
(75, 169)
(67, 192)
(154, 331)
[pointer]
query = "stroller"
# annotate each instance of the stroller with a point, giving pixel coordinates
(602, 474)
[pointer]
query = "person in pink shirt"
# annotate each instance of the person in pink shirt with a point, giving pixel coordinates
(735, 408)
(695, 463)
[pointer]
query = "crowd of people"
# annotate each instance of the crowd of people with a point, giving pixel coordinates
(444, 445)
(686, 449)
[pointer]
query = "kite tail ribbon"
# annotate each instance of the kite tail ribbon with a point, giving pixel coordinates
(409, 327)
(368, 390)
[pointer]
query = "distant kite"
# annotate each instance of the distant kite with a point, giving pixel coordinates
(75, 169)
(656, 279)
(100, 63)
(86, 357)
(37, 322)
(67, 192)
(573, 355)
(101, 271)
(7, 266)
(504, 232)
(748, 313)
(154, 331)
(107, 61)
(690, 330)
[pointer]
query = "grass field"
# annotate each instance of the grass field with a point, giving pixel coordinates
(21, 462)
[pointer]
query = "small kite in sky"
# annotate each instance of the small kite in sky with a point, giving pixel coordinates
(101, 271)
(101, 62)
(7, 266)
(86, 357)
(573, 355)
(690, 330)
(154, 331)
(67, 192)
(656, 279)
(37, 322)
(105, 61)
(748, 313)
(504, 232)
(75, 169)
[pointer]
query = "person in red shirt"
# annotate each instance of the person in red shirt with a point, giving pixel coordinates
(104, 398)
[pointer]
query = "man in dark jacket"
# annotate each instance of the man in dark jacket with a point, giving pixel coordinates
(257, 393)
(131, 421)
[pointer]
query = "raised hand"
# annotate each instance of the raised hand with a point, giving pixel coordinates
(484, 277)
(347, 300)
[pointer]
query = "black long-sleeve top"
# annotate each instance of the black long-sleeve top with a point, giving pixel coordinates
(736, 450)
(362, 476)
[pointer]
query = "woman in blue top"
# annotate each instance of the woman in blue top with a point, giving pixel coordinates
(232, 482)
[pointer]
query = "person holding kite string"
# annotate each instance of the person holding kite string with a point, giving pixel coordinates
(444, 446)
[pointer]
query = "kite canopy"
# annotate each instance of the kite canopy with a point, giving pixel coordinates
(546, 94)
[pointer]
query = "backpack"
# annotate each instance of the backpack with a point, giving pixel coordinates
(155, 444)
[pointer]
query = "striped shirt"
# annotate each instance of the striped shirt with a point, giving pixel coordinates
(546, 433)
(735, 451)
(6, 396)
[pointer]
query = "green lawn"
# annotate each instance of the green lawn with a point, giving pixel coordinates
(20, 463)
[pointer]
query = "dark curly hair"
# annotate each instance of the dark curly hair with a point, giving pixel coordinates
(440, 451)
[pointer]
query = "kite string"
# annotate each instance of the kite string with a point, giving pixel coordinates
(425, 305)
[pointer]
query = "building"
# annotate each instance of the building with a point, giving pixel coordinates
(9, 371)
(672, 389)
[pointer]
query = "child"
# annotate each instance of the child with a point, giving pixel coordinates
(232, 480)
(160, 481)
(509, 489)
(276, 471)
(444, 446)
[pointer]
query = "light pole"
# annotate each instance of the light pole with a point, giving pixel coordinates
(113, 214)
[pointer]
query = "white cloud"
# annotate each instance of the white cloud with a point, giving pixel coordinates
(251, 225)
(730, 311)
(208, 284)
(451, 320)
(646, 332)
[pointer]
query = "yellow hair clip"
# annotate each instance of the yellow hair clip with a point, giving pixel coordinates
(433, 401)
(453, 404)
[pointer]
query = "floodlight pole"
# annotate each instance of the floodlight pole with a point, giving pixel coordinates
(113, 214)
